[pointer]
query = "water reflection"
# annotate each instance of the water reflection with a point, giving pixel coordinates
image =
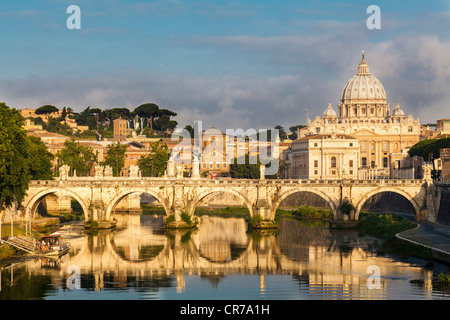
(144, 260)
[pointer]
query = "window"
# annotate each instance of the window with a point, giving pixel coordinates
(385, 162)
(385, 146)
(364, 162)
(363, 147)
(211, 165)
(410, 129)
(316, 163)
(351, 144)
(317, 130)
(204, 165)
(224, 165)
(372, 164)
(218, 165)
(350, 163)
(333, 162)
(316, 172)
(315, 144)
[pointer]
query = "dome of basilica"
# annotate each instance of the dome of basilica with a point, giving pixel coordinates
(363, 86)
(329, 112)
(398, 112)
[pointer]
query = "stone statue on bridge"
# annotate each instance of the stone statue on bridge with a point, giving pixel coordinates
(98, 171)
(262, 172)
(108, 172)
(64, 172)
(134, 171)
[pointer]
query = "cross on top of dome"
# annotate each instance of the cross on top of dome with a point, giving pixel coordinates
(363, 67)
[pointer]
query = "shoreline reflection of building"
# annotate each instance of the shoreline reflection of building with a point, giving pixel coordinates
(324, 260)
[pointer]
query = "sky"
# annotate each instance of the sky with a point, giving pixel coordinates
(250, 64)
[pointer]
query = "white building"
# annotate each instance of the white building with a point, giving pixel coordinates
(323, 156)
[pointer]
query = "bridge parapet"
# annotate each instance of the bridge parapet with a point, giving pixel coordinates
(182, 195)
(228, 181)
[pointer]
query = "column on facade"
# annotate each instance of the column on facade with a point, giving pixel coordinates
(322, 164)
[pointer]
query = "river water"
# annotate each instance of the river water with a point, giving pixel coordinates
(221, 260)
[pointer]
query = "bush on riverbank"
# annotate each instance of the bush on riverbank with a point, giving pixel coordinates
(228, 212)
(305, 212)
(443, 280)
(6, 251)
(153, 210)
(386, 226)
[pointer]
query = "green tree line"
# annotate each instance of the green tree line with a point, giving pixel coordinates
(152, 120)
(22, 158)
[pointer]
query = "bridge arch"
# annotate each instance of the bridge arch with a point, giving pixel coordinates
(205, 193)
(33, 202)
(288, 193)
(121, 195)
(368, 195)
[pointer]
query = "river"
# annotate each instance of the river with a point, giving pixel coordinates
(221, 260)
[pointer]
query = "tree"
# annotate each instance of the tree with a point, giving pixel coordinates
(88, 117)
(115, 157)
(429, 149)
(40, 160)
(14, 153)
(63, 115)
(282, 134)
(242, 169)
(46, 110)
(155, 162)
(77, 156)
(164, 124)
(190, 129)
(293, 129)
(54, 125)
(147, 111)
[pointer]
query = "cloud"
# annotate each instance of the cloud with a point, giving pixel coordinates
(415, 70)
(22, 14)
(306, 71)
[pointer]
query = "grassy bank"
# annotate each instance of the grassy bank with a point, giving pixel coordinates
(385, 227)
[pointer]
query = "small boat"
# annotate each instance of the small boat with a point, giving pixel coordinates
(52, 245)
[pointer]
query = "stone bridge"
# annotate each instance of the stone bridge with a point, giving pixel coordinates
(100, 196)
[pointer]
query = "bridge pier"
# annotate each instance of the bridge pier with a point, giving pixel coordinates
(97, 211)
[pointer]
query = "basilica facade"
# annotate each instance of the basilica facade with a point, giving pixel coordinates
(383, 136)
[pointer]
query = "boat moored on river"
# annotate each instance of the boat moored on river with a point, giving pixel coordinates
(52, 245)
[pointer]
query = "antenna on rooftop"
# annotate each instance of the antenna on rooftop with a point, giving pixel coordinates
(307, 115)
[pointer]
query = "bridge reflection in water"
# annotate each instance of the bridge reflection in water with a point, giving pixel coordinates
(142, 253)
